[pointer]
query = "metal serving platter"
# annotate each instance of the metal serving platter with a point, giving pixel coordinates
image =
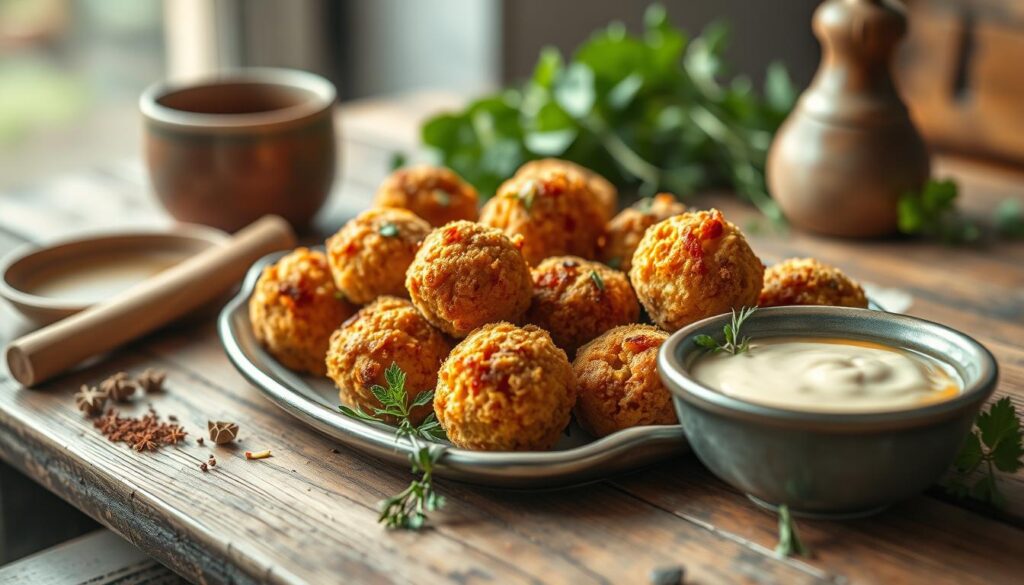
(578, 458)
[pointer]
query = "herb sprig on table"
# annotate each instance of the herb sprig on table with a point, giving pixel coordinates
(733, 343)
(995, 444)
(789, 538)
(408, 509)
(655, 112)
(933, 213)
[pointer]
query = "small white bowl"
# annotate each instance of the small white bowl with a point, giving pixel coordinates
(33, 276)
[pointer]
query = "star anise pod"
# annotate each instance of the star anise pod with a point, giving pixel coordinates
(90, 400)
(222, 432)
(173, 434)
(151, 380)
(118, 387)
(145, 443)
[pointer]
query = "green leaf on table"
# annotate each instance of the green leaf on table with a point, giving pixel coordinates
(971, 454)
(995, 444)
(932, 212)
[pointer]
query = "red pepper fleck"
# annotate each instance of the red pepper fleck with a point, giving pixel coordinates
(300, 295)
(712, 228)
(638, 343)
(451, 235)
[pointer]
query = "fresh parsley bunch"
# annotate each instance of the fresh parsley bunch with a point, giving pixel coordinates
(407, 509)
(995, 443)
(655, 112)
(933, 213)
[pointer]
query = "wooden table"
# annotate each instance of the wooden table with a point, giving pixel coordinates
(307, 515)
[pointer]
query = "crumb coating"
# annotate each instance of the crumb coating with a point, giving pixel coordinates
(387, 331)
(603, 190)
(555, 213)
(295, 307)
(806, 281)
(693, 266)
(370, 254)
(576, 300)
(618, 384)
(505, 388)
(624, 231)
(436, 194)
(466, 275)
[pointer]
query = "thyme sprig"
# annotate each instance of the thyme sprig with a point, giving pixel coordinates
(407, 509)
(733, 344)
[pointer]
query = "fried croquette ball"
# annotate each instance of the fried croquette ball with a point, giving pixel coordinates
(805, 281)
(505, 388)
(466, 275)
(625, 229)
(554, 211)
(436, 194)
(576, 300)
(603, 190)
(387, 331)
(617, 381)
(692, 266)
(294, 309)
(370, 254)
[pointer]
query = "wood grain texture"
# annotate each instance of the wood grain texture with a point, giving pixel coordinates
(307, 515)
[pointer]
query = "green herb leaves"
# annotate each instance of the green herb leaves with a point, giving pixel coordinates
(598, 281)
(388, 230)
(789, 539)
(407, 509)
(933, 213)
(995, 443)
(653, 112)
(733, 343)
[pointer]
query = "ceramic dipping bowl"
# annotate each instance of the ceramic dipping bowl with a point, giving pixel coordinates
(47, 283)
(820, 463)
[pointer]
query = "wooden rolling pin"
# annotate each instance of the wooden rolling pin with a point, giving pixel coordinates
(42, 354)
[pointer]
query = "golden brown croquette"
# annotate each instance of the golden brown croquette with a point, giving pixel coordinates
(806, 281)
(436, 194)
(370, 254)
(505, 388)
(625, 229)
(466, 275)
(692, 266)
(576, 300)
(618, 384)
(294, 309)
(604, 192)
(554, 212)
(390, 330)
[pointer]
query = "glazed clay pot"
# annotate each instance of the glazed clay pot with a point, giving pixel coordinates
(849, 150)
(228, 150)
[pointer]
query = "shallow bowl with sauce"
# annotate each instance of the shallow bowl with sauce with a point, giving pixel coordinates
(50, 282)
(826, 463)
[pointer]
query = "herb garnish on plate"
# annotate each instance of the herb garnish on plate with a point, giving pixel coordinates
(407, 509)
(733, 344)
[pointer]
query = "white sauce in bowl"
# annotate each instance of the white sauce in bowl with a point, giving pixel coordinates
(828, 375)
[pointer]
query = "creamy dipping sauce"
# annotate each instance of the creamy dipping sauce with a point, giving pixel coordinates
(101, 277)
(828, 375)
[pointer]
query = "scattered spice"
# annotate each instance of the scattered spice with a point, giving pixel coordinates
(335, 451)
(90, 400)
(200, 440)
(151, 380)
(212, 461)
(668, 575)
(258, 454)
(222, 432)
(204, 467)
(145, 433)
(118, 387)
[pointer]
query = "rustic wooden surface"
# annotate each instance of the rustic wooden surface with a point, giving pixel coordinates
(307, 514)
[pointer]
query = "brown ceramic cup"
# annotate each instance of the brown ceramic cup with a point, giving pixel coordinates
(227, 150)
